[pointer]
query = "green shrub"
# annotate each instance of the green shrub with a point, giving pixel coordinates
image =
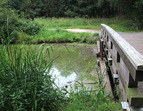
(8, 23)
(11, 24)
(30, 27)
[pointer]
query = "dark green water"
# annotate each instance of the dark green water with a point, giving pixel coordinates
(75, 62)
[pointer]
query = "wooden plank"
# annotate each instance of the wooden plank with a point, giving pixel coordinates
(113, 71)
(125, 75)
(128, 63)
(106, 81)
(135, 39)
(114, 67)
(137, 58)
(135, 97)
(98, 49)
(123, 69)
(101, 49)
(132, 95)
(113, 53)
(132, 58)
(121, 91)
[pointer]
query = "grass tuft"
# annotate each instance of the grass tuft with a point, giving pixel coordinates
(25, 83)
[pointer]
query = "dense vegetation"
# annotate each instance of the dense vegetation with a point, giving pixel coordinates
(26, 84)
(75, 8)
(14, 27)
(79, 8)
(83, 99)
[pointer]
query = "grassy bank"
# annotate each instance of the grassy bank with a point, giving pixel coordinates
(122, 25)
(62, 36)
(52, 29)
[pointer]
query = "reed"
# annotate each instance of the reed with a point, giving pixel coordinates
(25, 83)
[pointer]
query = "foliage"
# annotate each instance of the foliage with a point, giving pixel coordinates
(25, 83)
(12, 27)
(30, 27)
(70, 8)
(8, 22)
(138, 14)
(83, 99)
(76, 8)
(123, 25)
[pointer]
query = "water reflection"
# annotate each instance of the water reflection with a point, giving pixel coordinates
(61, 80)
(74, 63)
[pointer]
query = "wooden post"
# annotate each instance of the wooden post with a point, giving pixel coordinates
(101, 49)
(132, 82)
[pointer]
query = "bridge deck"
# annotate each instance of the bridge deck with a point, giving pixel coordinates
(134, 39)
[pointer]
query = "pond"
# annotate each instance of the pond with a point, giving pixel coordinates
(75, 62)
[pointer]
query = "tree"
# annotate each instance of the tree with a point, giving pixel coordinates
(138, 13)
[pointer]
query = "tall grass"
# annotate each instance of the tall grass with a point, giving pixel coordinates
(25, 83)
(84, 99)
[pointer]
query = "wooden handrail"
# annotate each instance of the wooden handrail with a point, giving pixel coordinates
(132, 58)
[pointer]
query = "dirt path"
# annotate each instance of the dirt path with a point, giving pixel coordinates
(84, 30)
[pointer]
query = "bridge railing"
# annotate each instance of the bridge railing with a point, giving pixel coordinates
(125, 62)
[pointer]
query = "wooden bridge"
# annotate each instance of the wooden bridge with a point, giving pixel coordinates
(123, 55)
